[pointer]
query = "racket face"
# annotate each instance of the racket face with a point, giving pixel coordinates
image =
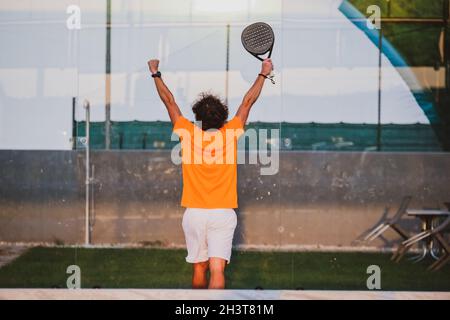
(258, 38)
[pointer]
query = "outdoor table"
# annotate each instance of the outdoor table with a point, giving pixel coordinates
(429, 218)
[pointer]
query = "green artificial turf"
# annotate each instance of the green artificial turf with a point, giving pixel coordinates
(158, 268)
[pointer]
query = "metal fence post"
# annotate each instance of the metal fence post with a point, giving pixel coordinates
(87, 238)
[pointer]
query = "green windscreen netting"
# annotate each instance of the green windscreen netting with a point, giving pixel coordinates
(136, 135)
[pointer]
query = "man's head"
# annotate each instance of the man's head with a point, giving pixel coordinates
(210, 110)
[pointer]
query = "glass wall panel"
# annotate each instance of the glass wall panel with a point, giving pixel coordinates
(356, 126)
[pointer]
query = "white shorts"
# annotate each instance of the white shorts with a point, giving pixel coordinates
(208, 233)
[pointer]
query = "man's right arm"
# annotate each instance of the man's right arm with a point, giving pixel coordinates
(252, 95)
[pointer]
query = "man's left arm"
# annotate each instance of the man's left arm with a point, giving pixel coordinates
(164, 93)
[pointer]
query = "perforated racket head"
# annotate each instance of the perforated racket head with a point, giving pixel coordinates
(258, 38)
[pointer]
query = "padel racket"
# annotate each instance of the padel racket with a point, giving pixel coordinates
(258, 39)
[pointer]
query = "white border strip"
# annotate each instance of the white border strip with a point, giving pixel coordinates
(182, 294)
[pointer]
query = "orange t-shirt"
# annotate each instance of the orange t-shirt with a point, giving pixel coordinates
(209, 164)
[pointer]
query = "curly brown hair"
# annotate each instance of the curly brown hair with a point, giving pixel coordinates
(210, 110)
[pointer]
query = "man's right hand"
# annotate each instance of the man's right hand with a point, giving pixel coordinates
(266, 67)
(153, 65)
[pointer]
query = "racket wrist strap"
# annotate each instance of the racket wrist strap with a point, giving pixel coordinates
(267, 77)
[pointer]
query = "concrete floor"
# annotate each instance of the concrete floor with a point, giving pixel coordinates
(181, 294)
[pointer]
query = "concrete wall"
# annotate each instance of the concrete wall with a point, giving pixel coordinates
(317, 198)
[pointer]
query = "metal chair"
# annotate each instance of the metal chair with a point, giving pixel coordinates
(391, 223)
(440, 238)
(436, 234)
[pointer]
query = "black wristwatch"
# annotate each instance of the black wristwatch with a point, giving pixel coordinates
(156, 75)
